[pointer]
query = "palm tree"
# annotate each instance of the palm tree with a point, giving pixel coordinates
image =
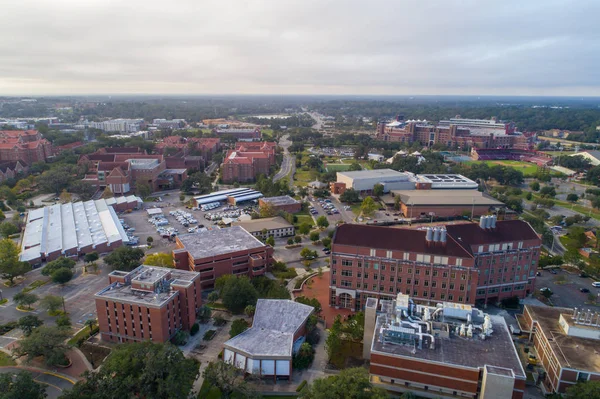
(90, 323)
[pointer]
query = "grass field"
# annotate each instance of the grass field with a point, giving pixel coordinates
(528, 169)
(6, 360)
(337, 167)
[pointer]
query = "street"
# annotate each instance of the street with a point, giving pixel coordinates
(288, 160)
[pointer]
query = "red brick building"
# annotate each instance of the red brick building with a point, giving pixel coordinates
(148, 303)
(12, 169)
(247, 161)
(566, 342)
(223, 251)
(461, 263)
(282, 203)
(27, 146)
(180, 149)
(463, 133)
(445, 351)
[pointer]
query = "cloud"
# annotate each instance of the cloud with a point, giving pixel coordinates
(305, 47)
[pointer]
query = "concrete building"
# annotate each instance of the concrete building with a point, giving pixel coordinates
(148, 303)
(120, 125)
(26, 146)
(71, 230)
(282, 203)
(268, 227)
(461, 263)
(223, 251)
(251, 134)
(266, 348)
(426, 203)
(444, 351)
(232, 196)
(591, 155)
(566, 343)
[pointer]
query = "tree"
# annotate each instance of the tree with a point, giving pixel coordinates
(249, 310)
(314, 236)
(368, 206)
(588, 390)
(48, 342)
(161, 259)
(204, 314)
(314, 302)
(25, 299)
(378, 190)
(149, 241)
(63, 321)
(124, 258)
(65, 196)
(83, 189)
(333, 343)
(60, 263)
(139, 370)
(322, 222)
(238, 326)
(229, 380)
(304, 357)
(270, 241)
(304, 228)
(91, 323)
(572, 198)
(352, 383)
(55, 180)
(143, 189)
(62, 275)
(548, 192)
(354, 328)
(535, 186)
(29, 323)
(7, 229)
(326, 241)
(350, 196)
(2, 216)
(307, 253)
(52, 303)
(91, 257)
(213, 297)
(290, 241)
(267, 210)
(237, 293)
(22, 386)
(10, 265)
(298, 239)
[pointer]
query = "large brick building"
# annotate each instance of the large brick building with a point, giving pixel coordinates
(148, 303)
(461, 263)
(445, 351)
(223, 251)
(247, 161)
(27, 146)
(120, 168)
(463, 133)
(179, 149)
(566, 343)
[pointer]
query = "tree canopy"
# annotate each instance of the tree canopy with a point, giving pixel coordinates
(10, 265)
(159, 259)
(45, 341)
(139, 370)
(22, 386)
(124, 258)
(237, 293)
(587, 390)
(352, 383)
(368, 206)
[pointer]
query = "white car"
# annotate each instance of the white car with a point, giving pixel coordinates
(596, 284)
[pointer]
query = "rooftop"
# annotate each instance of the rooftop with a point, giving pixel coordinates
(273, 223)
(449, 197)
(281, 200)
(219, 242)
(505, 231)
(159, 277)
(375, 174)
(273, 328)
(571, 351)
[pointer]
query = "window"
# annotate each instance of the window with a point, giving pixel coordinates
(375, 276)
(388, 254)
(374, 287)
(426, 283)
(359, 274)
(462, 287)
(458, 262)
(366, 275)
(346, 283)
(393, 268)
(346, 262)
(406, 256)
(373, 252)
(382, 277)
(425, 293)
(445, 274)
(427, 272)
(399, 279)
(460, 299)
(452, 275)
(450, 297)
(392, 279)
(463, 276)
(416, 282)
(427, 258)
(442, 296)
(435, 273)
(376, 266)
(382, 267)
(347, 273)
(451, 286)
(365, 286)
(359, 264)
(433, 284)
(408, 281)
(480, 292)
(409, 271)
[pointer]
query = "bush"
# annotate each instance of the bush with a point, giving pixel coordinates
(194, 330)
(237, 327)
(511, 303)
(210, 334)
(11, 325)
(180, 338)
(219, 321)
(301, 385)
(304, 357)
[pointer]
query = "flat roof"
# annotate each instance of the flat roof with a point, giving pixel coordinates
(281, 200)
(219, 242)
(273, 223)
(496, 350)
(571, 351)
(273, 328)
(448, 197)
(375, 173)
(151, 275)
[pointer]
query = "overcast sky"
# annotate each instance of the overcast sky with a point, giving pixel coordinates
(524, 47)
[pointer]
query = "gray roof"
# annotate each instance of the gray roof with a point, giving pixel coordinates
(256, 225)
(281, 200)
(375, 173)
(446, 197)
(272, 332)
(219, 242)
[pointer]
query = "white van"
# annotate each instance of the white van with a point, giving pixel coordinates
(596, 284)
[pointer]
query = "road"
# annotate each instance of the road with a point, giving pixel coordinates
(55, 384)
(288, 160)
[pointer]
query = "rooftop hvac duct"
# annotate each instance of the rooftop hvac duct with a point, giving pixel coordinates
(436, 234)
(482, 222)
(429, 235)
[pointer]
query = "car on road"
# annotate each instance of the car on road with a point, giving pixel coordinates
(584, 290)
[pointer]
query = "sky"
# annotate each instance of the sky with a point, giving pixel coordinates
(469, 47)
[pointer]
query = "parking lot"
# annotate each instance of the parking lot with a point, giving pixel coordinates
(567, 293)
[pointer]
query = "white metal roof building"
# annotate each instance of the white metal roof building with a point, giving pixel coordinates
(71, 229)
(277, 332)
(365, 180)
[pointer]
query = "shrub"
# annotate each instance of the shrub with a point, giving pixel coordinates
(301, 385)
(194, 330)
(237, 327)
(219, 321)
(210, 334)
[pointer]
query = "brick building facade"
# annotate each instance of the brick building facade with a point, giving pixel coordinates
(247, 161)
(27, 146)
(462, 263)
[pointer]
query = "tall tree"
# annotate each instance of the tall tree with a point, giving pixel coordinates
(48, 342)
(7, 229)
(52, 303)
(124, 258)
(351, 383)
(25, 299)
(229, 380)
(368, 206)
(10, 265)
(161, 259)
(22, 386)
(237, 293)
(29, 323)
(587, 390)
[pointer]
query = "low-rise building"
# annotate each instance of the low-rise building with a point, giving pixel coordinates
(215, 253)
(282, 203)
(426, 203)
(148, 303)
(444, 351)
(566, 343)
(241, 134)
(268, 227)
(266, 349)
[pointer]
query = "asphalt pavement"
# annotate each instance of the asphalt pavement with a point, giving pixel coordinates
(567, 294)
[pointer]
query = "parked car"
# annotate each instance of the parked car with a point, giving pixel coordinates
(553, 271)
(596, 284)
(584, 290)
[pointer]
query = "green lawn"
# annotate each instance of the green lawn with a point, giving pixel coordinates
(305, 219)
(528, 169)
(337, 167)
(303, 177)
(267, 133)
(6, 360)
